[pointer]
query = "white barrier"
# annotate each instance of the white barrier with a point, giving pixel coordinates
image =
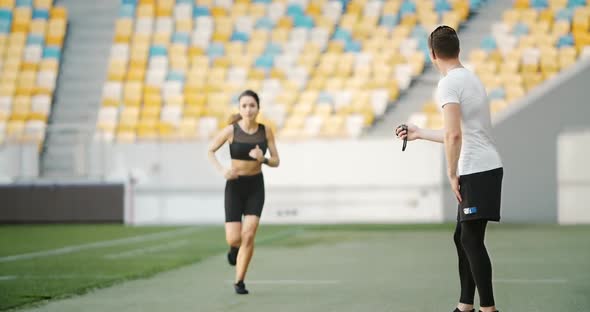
(574, 177)
(317, 182)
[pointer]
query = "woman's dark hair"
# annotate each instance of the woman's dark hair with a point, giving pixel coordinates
(237, 117)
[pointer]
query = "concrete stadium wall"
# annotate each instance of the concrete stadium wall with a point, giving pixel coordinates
(317, 182)
(527, 136)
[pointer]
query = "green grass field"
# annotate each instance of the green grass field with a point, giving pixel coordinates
(295, 268)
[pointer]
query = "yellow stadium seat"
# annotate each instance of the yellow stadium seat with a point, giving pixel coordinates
(530, 67)
(175, 100)
(166, 131)
(192, 111)
(545, 39)
(529, 16)
(116, 71)
(58, 12)
(348, 21)
(195, 99)
(9, 4)
(184, 25)
(29, 66)
(477, 56)
(521, 4)
(527, 42)
(532, 80)
(509, 66)
(110, 102)
(7, 89)
(354, 8)
(221, 36)
(38, 26)
(21, 104)
(277, 35)
(561, 28)
(409, 20)
(150, 113)
(15, 128)
(129, 116)
(452, 19)
(391, 7)
(164, 9)
(324, 22)
(557, 4)
(145, 10)
(179, 63)
(218, 12)
(257, 10)
(162, 39)
(276, 73)
(581, 23)
(136, 75)
(44, 4)
(221, 62)
(187, 128)
(284, 23)
(514, 93)
(581, 40)
(511, 80)
(123, 30)
(141, 40)
(37, 116)
(546, 16)
(567, 57)
(511, 16)
(147, 129)
(56, 40)
(333, 126)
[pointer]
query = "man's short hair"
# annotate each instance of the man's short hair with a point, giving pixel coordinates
(444, 42)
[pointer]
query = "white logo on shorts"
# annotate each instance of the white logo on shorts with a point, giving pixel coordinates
(470, 210)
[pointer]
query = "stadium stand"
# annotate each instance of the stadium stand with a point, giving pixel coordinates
(323, 68)
(31, 38)
(534, 40)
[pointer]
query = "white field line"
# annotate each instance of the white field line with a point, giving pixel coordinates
(101, 244)
(146, 250)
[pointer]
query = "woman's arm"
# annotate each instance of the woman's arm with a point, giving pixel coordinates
(222, 137)
(274, 159)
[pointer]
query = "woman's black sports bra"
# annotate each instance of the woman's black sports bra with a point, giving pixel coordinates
(243, 142)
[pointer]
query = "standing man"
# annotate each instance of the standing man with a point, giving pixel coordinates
(474, 165)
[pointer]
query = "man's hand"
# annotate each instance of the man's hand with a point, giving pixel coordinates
(454, 180)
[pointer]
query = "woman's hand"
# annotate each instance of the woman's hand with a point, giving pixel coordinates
(411, 134)
(256, 153)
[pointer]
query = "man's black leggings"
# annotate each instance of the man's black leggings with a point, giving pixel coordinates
(475, 267)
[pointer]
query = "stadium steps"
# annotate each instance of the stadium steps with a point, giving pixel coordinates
(422, 88)
(84, 64)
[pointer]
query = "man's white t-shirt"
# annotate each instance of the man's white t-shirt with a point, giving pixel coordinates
(478, 149)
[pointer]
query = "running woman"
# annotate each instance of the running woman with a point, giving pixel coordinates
(244, 189)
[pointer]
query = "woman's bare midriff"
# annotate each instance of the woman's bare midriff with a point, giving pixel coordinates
(246, 167)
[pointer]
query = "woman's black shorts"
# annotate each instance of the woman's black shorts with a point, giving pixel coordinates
(481, 195)
(244, 196)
